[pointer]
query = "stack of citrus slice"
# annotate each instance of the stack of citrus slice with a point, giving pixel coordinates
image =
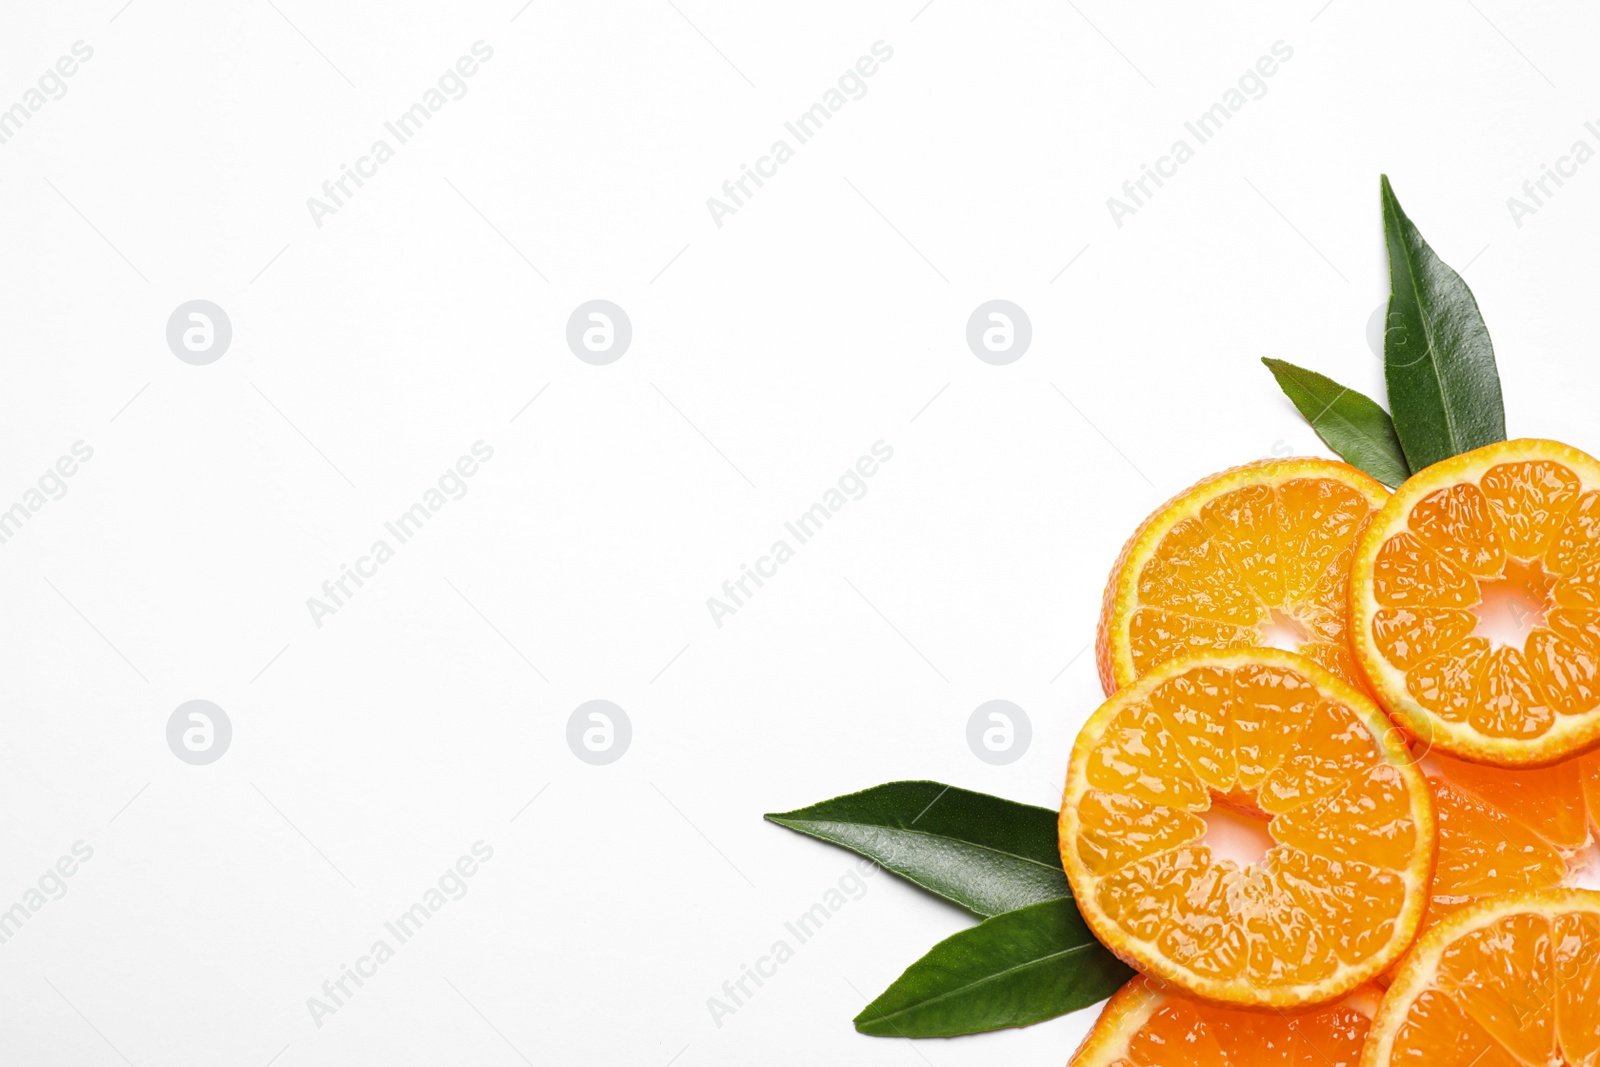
(1413, 755)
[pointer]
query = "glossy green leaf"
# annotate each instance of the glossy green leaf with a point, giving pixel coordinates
(1012, 970)
(1351, 424)
(1444, 388)
(987, 854)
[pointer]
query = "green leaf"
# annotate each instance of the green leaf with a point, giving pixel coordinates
(1353, 425)
(987, 854)
(1444, 389)
(1012, 970)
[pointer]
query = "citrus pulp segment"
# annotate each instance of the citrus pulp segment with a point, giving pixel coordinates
(1505, 830)
(1144, 1026)
(1511, 981)
(1255, 556)
(1340, 888)
(1475, 604)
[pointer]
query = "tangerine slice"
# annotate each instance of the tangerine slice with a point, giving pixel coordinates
(1345, 822)
(1475, 604)
(1511, 981)
(1255, 556)
(1145, 1026)
(1505, 830)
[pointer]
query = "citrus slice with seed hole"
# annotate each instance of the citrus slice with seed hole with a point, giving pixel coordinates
(1509, 982)
(1146, 1026)
(1333, 887)
(1257, 556)
(1475, 604)
(1505, 830)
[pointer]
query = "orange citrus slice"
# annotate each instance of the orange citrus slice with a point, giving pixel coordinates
(1475, 604)
(1510, 982)
(1255, 556)
(1338, 881)
(1504, 830)
(1144, 1026)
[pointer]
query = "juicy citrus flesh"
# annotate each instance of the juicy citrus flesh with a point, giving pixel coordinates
(1509, 982)
(1475, 604)
(1258, 556)
(1507, 830)
(1146, 1026)
(1333, 901)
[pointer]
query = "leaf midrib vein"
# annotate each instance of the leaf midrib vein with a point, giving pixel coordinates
(924, 833)
(981, 981)
(1309, 381)
(1427, 327)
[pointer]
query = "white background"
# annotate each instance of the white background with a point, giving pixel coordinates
(768, 354)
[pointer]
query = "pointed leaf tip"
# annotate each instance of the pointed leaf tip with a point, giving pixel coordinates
(1444, 386)
(1015, 969)
(1354, 426)
(984, 853)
